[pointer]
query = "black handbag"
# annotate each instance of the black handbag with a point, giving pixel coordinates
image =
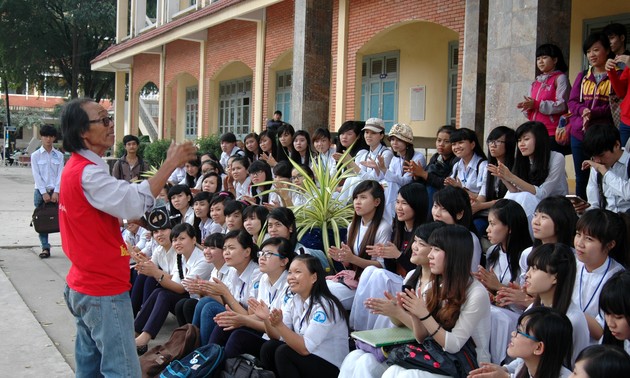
(46, 218)
(429, 356)
(244, 366)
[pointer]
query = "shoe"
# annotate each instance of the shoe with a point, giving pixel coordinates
(142, 349)
(45, 253)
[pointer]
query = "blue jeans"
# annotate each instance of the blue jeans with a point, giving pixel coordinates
(581, 176)
(205, 311)
(624, 130)
(105, 343)
(43, 238)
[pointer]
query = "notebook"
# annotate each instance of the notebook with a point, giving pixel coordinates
(385, 336)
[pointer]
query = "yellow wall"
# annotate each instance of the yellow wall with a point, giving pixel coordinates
(233, 70)
(585, 10)
(183, 81)
(423, 48)
(282, 63)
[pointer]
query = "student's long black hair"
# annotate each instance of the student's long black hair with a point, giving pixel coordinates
(320, 293)
(512, 215)
(554, 330)
(456, 200)
(423, 232)
(308, 154)
(614, 300)
(415, 194)
(175, 232)
(533, 169)
(359, 144)
(607, 227)
(558, 259)
(604, 361)
(510, 147)
(261, 166)
(564, 218)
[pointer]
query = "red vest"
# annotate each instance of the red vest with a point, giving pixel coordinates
(545, 92)
(90, 238)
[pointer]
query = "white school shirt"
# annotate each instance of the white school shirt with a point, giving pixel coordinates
(273, 295)
(225, 157)
(588, 286)
(556, 182)
(520, 364)
(396, 174)
(208, 228)
(328, 163)
(243, 285)
(47, 167)
(615, 184)
(501, 266)
(193, 267)
(166, 260)
(178, 175)
(220, 274)
(473, 176)
(323, 336)
(189, 217)
(243, 189)
(368, 173)
(383, 235)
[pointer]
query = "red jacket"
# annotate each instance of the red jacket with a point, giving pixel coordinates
(621, 86)
(90, 238)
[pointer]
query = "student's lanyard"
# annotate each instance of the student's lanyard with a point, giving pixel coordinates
(302, 321)
(596, 288)
(466, 170)
(271, 298)
(240, 295)
(375, 154)
(504, 273)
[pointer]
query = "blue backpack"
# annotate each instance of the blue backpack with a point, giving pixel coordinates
(202, 362)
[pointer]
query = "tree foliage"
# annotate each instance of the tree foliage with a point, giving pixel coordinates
(57, 37)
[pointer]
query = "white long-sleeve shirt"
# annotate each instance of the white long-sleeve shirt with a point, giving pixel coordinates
(47, 168)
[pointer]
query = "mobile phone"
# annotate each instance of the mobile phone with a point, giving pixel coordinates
(575, 200)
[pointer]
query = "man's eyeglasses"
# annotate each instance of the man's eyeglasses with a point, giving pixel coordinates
(106, 121)
(495, 142)
(267, 254)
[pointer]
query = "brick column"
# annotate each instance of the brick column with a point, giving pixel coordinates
(310, 95)
(513, 35)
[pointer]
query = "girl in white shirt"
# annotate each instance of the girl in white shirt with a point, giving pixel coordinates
(599, 249)
(325, 150)
(537, 170)
(507, 231)
(456, 307)
(550, 279)
(242, 181)
(541, 342)
(302, 153)
(190, 264)
(181, 202)
(614, 302)
(254, 217)
(368, 227)
(309, 335)
(240, 333)
(470, 171)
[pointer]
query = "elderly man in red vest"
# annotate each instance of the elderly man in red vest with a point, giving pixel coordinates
(91, 206)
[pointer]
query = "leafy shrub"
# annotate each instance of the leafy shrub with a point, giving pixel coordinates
(210, 144)
(155, 152)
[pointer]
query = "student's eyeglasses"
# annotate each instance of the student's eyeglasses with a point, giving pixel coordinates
(256, 174)
(267, 254)
(295, 178)
(495, 142)
(106, 121)
(527, 335)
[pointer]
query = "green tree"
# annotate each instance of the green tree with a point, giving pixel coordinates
(57, 36)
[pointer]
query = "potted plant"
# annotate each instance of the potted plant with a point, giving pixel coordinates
(322, 212)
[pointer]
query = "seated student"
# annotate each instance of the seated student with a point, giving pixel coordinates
(601, 361)
(181, 202)
(229, 148)
(451, 205)
(324, 149)
(240, 178)
(213, 253)
(201, 207)
(411, 210)
(608, 184)
(470, 171)
(244, 333)
(368, 227)
(614, 302)
(233, 211)
(509, 235)
(281, 176)
(259, 172)
(309, 335)
(292, 198)
(252, 147)
(193, 172)
(211, 182)
(285, 138)
(456, 308)
(190, 264)
(177, 176)
(163, 258)
(440, 165)
(541, 343)
(254, 217)
(302, 152)
(233, 291)
(600, 250)
(361, 362)
(217, 207)
(268, 148)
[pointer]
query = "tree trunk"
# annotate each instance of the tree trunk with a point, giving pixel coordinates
(74, 92)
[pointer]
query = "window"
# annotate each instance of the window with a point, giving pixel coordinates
(192, 110)
(451, 94)
(379, 87)
(284, 79)
(234, 106)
